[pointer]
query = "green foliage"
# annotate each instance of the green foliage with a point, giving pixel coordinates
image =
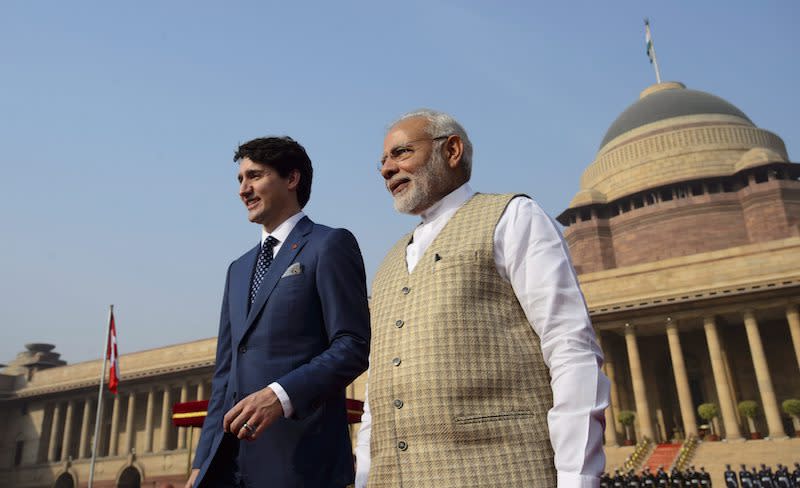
(748, 408)
(626, 417)
(791, 407)
(708, 411)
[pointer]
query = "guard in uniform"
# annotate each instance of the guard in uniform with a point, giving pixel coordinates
(648, 480)
(705, 478)
(730, 477)
(782, 479)
(662, 478)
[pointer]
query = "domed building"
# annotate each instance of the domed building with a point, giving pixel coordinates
(685, 234)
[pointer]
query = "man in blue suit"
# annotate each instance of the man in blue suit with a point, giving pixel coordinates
(294, 332)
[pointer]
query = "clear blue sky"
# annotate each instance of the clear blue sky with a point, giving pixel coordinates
(118, 124)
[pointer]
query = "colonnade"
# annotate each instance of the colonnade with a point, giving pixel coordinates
(64, 424)
(722, 381)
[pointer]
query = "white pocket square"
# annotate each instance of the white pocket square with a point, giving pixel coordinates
(294, 269)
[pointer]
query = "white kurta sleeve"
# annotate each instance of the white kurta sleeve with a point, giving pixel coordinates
(531, 253)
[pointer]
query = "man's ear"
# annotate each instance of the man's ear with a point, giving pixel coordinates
(294, 179)
(453, 151)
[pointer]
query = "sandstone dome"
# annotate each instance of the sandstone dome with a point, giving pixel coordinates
(673, 134)
(665, 101)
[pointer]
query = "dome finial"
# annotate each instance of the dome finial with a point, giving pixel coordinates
(667, 85)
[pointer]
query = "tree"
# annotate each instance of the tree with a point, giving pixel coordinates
(792, 407)
(749, 410)
(708, 412)
(626, 418)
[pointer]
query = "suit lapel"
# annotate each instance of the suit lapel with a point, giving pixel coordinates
(239, 297)
(289, 249)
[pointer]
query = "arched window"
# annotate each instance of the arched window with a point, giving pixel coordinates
(130, 478)
(65, 481)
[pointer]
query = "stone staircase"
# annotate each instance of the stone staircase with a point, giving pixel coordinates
(663, 455)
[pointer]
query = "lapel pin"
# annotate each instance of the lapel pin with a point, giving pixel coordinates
(294, 246)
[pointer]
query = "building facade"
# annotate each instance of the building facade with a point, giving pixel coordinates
(685, 234)
(48, 412)
(47, 419)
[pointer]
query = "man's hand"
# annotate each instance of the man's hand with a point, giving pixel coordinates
(248, 418)
(192, 478)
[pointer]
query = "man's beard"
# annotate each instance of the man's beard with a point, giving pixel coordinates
(422, 189)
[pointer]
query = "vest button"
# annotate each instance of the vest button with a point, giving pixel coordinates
(242, 349)
(398, 324)
(402, 445)
(406, 290)
(396, 361)
(398, 403)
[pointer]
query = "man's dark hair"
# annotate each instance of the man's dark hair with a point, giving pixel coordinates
(283, 154)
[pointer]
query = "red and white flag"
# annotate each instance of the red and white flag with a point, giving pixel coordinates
(111, 355)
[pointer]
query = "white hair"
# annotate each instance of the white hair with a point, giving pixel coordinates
(441, 124)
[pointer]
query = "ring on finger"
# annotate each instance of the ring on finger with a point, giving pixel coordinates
(250, 429)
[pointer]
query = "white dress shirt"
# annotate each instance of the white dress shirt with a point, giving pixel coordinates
(280, 234)
(530, 253)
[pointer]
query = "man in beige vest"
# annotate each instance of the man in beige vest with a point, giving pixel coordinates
(484, 369)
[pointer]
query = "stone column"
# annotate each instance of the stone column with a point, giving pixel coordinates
(639, 390)
(148, 421)
(726, 407)
(793, 317)
(67, 430)
(729, 378)
(83, 444)
(51, 449)
(182, 430)
(615, 403)
(130, 416)
(768, 400)
(681, 379)
(201, 395)
(166, 417)
(610, 433)
(113, 440)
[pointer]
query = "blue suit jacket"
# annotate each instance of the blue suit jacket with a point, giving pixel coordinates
(309, 332)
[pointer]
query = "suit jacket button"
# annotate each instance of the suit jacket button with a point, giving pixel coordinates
(242, 349)
(402, 445)
(396, 361)
(398, 403)
(398, 324)
(406, 290)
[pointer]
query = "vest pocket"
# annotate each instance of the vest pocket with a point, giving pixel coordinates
(444, 260)
(477, 419)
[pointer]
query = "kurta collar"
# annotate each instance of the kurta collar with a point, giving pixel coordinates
(452, 201)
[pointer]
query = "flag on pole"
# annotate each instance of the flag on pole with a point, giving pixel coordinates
(111, 355)
(649, 40)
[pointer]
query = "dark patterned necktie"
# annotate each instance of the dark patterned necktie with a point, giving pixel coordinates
(264, 260)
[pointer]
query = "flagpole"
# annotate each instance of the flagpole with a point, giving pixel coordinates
(100, 397)
(652, 48)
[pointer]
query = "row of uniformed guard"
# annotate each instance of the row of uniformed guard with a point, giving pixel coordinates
(763, 478)
(690, 478)
(648, 479)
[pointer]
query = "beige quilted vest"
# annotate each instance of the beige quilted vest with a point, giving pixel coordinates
(458, 388)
